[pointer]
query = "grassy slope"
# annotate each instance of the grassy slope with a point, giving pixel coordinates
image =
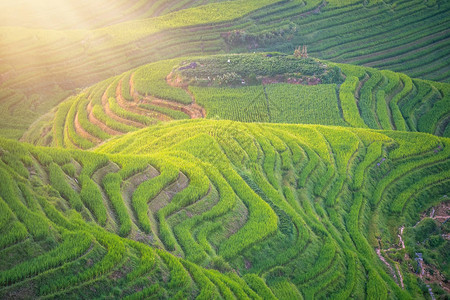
(366, 98)
(406, 36)
(324, 195)
(294, 210)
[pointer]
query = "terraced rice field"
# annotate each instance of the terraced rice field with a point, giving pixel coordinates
(403, 36)
(182, 149)
(292, 209)
(367, 98)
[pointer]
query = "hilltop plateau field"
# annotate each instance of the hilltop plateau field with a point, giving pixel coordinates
(177, 149)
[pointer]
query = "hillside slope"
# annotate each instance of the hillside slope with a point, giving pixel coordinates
(251, 88)
(84, 14)
(404, 36)
(285, 211)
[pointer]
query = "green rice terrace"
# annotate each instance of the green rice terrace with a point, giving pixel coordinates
(39, 62)
(260, 87)
(242, 149)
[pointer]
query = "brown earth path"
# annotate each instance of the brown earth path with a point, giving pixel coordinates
(83, 133)
(193, 110)
(100, 124)
(113, 116)
(133, 106)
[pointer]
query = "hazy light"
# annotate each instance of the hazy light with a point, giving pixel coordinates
(58, 14)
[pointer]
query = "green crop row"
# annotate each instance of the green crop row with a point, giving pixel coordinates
(87, 125)
(270, 158)
(130, 167)
(333, 193)
(116, 252)
(204, 233)
(425, 24)
(428, 122)
(374, 151)
(332, 276)
(53, 214)
(304, 104)
(367, 101)
(348, 102)
(400, 201)
(147, 261)
(119, 111)
(396, 114)
(375, 284)
(11, 230)
(279, 202)
(15, 164)
(376, 288)
(215, 277)
(344, 143)
(179, 277)
(416, 144)
(152, 291)
(147, 190)
(393, 81)
(409, 54)
(207, 289)
(193, 251)
(73, 245)
(34, 222)
(70, 135)
(89, 161)
(325, 180)
(325, 259)
(262, 221)
(203, 15)
(125, 87)
(111, 123)
(246, 104)
(110, 91)
(382, 110)
(197, 188)
(91, 196)
(59, 121)
(227, 200)
(423, 89)
(258, 285)
(151, 80)
(174, 114)
(422, 53)
(312, 164)
(403, 169)
(57, 155)
(58, 181)
(30, 200)
(111, 184)
(97, 91)
(283, 289)
(350, 276)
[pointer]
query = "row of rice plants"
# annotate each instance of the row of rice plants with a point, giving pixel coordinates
(348, 102)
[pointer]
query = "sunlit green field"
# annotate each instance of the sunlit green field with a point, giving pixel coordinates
(178, 149)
